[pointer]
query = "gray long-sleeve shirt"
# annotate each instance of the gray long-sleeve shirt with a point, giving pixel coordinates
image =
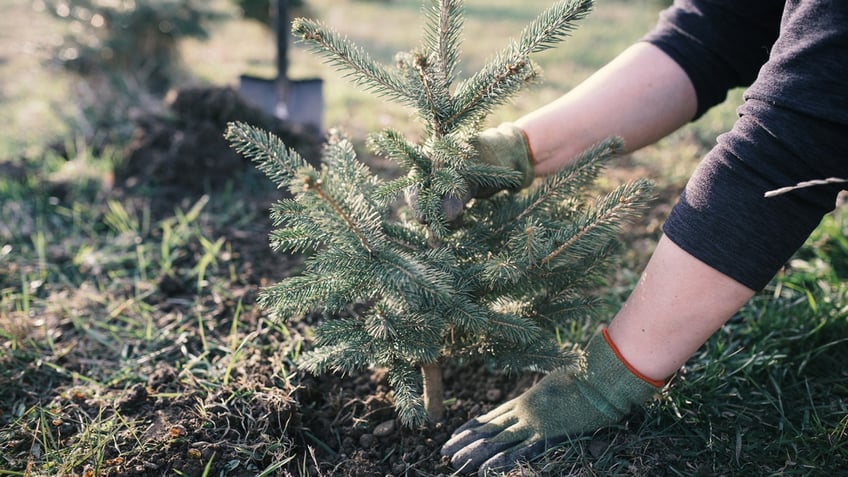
(792, 126)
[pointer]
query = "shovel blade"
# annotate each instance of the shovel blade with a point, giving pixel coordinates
(302, 102)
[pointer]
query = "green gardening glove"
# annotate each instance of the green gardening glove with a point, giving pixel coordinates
(504, 146)
(564, 404)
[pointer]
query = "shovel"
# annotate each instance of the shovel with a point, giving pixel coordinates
(296, 101)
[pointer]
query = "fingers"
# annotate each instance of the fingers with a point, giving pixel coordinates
(479, 439)
(463, 438)
(498, 454)
(471, 431)
(498, 417)
(453, 207)
(497, 444)
(474, 455)
(523, 452)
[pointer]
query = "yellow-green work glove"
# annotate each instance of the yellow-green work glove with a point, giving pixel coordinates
(505, 146)
(563, 404)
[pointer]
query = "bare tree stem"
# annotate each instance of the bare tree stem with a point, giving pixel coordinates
(434, 391)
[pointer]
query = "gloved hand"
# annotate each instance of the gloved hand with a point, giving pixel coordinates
(562, 404)
(504, 146)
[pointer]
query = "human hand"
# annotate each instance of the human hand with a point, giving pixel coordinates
(565, 403)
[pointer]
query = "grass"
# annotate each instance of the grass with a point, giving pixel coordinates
(107, 301)
(766, 395)
(83, 323)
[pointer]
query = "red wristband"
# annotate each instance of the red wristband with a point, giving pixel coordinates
(527, 143)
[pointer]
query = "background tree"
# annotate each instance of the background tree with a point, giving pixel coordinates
(493, 286)
(124, 57)
(136, 40)
(262, 11)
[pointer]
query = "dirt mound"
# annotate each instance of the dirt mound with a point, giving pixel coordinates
(184, 150)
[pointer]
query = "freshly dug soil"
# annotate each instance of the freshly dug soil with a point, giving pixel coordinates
(184, 151)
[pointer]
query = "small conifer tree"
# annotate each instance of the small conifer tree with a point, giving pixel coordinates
(495, 285)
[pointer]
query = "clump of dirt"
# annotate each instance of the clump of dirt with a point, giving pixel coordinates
(185, 150)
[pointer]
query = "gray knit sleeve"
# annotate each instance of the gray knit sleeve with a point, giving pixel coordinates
(720, 44)
(792, 128)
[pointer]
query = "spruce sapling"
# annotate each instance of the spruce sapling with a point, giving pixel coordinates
(493, 286)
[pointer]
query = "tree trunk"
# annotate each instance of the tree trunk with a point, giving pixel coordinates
(433, 391)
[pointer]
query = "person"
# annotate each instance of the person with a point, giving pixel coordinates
(724, 239)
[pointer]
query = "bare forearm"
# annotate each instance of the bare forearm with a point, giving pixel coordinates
(641, 96)
(678, 303)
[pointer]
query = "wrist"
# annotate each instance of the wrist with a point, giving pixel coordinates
(521, 154)
(657, 383)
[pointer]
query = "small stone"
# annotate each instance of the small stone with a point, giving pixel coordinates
(385, 428)
(420, 451)
(367, 440)
(494, 395)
